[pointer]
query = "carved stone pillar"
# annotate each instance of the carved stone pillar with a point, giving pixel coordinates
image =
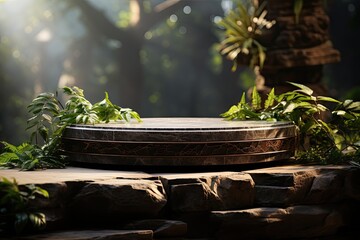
(297, 51)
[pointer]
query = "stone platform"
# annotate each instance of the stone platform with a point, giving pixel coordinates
(285, 202)
(180, 142)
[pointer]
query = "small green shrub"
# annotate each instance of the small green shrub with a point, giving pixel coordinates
(16, 214)
(49, 118)
(333, 141)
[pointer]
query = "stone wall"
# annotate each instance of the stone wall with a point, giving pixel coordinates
(274, 203)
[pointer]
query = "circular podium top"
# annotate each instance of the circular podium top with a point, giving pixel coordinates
(184, 124)
(182, 130)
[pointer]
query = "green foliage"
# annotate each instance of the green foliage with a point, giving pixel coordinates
(30, 156)
(78, 110)
(16, 214)
(346, 117)
(43, 108)
(337, 139)
(107, 111)
(317, 155)
(243, 29)
(50, 118)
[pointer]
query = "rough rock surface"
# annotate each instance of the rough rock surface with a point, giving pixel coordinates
(162, 228)
(210, 191)
(93, 235)
(278, 223)
(193, 197)
(236, 191)
(120, 197)
(285, 201)
(306, 42)
(286, 186)
(295, 57)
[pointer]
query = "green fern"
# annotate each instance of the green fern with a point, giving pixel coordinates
(338, 137)
(48, 121)
(16, 214)
(43, 108)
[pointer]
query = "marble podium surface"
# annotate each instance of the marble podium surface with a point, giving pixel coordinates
(180, 142)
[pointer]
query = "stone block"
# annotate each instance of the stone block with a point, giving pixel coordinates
(193, 197)
(92, 235)
(162, 228)
(199, 225)
(120, 198)
(219, 190)
(268, 179)
(57, 196)
(282, 186)
(299, 221)
(235, 191)
(274, 196)
(352, 183)
(326, 188)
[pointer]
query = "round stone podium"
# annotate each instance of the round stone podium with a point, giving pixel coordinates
(180, 142)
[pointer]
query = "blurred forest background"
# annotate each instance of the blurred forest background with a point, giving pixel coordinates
(158, 57)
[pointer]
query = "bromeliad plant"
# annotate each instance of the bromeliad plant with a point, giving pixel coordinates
(244, 27)
(16, 214)
(49, 119)
(324, 141)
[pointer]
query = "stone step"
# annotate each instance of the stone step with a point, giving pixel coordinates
(91, 235)
(271, 179)
(162, 228)
(87, 198)
(284, 176)
(275, 196)
(300, 221)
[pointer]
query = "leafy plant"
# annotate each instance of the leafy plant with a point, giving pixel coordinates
(243, 29)
(31, 156)
(49, 119)
(16, 214)
(340, 136)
